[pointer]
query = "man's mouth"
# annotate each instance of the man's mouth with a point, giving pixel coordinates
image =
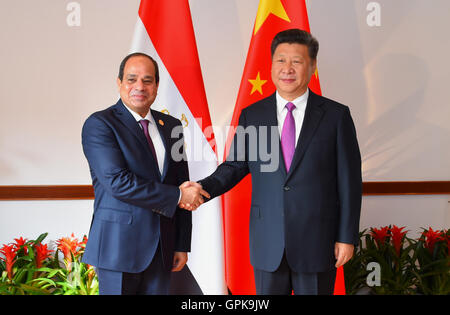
(287, 80)
(138, 96)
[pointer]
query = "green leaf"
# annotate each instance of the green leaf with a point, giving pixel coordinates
(40, 238)
(33, 290)
(41, 281)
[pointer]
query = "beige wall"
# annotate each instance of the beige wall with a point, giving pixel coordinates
(392, 76)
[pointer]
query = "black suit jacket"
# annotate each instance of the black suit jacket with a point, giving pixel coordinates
(306, 210)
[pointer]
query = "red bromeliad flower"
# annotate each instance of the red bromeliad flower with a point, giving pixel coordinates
(42, 253)
(19, 243)
(67, 246)
(380, 235)
(397, 238)
(10, 255)
(430, 238)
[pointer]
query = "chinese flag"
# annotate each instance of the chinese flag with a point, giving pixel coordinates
(272, 17)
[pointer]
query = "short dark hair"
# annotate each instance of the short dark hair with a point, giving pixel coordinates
(124, 62)
(296, 36)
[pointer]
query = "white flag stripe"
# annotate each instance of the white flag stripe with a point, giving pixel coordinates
(206, 260)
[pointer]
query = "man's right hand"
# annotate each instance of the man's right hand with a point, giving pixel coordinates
(191, 195)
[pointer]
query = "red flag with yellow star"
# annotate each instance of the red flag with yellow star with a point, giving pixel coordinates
(272, 17)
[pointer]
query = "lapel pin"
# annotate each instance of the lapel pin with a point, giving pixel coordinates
(161, 122)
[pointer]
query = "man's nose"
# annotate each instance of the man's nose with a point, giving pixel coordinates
(287, 67)
(139, 85)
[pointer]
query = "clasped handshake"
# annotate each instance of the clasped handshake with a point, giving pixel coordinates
(192, 195)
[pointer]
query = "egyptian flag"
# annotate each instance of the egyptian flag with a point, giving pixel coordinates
(272, 17)
(164, 31)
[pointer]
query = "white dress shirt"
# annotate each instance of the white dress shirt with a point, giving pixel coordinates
(154, 135)
(298, 112)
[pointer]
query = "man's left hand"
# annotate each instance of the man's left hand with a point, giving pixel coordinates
(179, 260)
(343, 253)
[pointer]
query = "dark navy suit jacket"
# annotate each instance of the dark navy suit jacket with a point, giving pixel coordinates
(135, 206)
(306, 210)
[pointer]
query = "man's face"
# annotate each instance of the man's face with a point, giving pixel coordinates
(292, 69)
(138, 88)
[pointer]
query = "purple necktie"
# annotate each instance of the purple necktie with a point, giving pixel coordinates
(288, 136)
(144, 124)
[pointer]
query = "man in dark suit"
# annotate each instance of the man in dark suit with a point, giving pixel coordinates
(138, 233)
(305, 211)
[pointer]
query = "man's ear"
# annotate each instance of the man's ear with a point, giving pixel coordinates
(314, 65)
(119, 83)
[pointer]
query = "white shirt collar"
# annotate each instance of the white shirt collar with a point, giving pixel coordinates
(138, 117)
(299, 102)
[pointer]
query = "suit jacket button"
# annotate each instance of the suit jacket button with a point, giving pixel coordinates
(286, 188)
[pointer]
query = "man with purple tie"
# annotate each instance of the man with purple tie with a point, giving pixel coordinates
(138, 233)
(304, 217)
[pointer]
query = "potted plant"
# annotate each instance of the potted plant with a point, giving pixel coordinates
(433, 261)
(404, 265)
(29, 267)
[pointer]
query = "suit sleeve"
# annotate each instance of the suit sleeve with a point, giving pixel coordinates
(349, 180)
(109, 167)
(234, 169)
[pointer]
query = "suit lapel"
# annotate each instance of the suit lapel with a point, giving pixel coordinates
(313, 115)
(165, 134)
(130, 123)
